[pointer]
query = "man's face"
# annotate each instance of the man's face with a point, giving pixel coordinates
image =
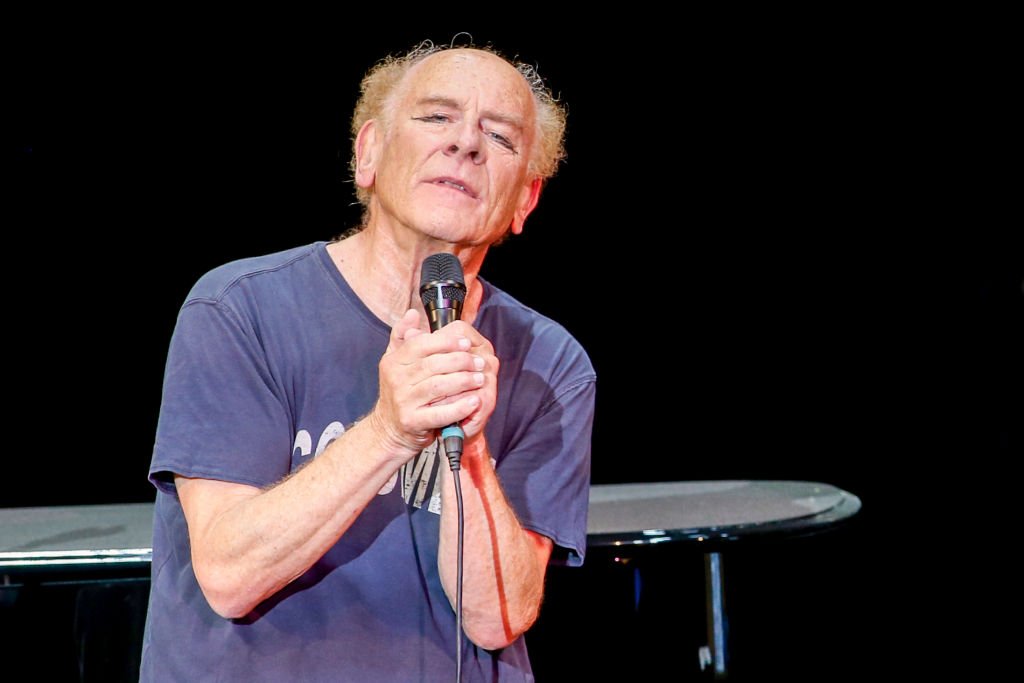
(453, 160)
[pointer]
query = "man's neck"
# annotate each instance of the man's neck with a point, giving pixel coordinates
(384, 272)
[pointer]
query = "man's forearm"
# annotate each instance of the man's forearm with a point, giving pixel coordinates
(247, 544)
(504, 565)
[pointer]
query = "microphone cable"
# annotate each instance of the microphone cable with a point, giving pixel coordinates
(454, 462)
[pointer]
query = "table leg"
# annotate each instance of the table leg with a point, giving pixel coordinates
(715, 654)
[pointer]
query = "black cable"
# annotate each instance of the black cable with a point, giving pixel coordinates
(452, 437)
(458, 579)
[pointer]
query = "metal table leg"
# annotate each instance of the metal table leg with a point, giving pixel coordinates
(715, 653)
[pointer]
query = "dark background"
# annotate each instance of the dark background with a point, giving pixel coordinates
(786, 245)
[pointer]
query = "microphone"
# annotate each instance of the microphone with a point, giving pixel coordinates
(442, 290)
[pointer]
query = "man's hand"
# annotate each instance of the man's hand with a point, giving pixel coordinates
(429, 380)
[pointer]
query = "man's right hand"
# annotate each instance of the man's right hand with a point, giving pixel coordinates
(427, 381)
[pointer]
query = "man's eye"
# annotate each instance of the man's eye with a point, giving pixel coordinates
(502, 140)
(432, 118)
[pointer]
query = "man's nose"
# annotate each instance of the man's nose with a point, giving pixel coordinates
(466, 141)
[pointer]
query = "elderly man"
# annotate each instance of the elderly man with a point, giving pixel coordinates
(306, 525)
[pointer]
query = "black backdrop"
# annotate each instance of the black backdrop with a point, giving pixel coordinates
(783, 248)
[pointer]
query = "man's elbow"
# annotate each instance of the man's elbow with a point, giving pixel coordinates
(229, 608)
(496, 635)
(225, 596)
(490, 639)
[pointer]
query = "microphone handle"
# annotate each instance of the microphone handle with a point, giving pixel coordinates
(452, 435)
(439, 317)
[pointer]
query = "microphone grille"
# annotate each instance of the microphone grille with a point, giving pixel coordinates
(440, 268)
(444, 270)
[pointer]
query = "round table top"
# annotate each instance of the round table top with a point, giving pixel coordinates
(97, 536)
(645, 514)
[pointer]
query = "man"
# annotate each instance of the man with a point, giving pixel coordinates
(306, 523)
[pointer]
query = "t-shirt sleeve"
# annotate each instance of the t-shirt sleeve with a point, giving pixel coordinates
(546, 474)
(222, 415)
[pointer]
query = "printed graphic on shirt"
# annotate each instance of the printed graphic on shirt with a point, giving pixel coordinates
(419, 476)
(304, 442)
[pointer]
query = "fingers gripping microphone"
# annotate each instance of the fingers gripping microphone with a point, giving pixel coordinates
(442, 290)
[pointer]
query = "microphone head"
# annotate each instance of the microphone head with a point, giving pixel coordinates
(441, 278)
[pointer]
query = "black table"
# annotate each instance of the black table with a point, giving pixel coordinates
(74, 588)
(714, 514)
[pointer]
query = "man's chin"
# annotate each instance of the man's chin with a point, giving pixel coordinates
(452, 229)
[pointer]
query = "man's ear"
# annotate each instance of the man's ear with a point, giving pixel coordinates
(367, 154)
(528, 198)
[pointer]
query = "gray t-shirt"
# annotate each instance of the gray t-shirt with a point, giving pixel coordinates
(274, 357)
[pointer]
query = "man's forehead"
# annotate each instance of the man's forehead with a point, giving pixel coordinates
(446, 71)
